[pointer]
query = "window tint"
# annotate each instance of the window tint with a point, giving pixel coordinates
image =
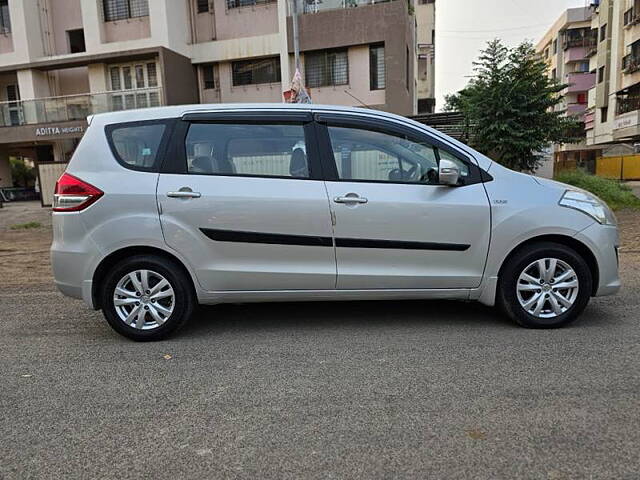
(247, 149)
(138, 145)
(376, 156)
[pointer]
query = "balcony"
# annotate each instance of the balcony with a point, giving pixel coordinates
(576, 109)
(75, 107)
(315, 6)
(580, 82)
(589, 119)
(630, 63)
(628, 104)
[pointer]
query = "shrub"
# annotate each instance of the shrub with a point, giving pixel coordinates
(616, 194)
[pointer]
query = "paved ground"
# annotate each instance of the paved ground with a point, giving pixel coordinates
(357, 390)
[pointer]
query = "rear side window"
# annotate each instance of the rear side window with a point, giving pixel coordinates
(137, 145)
(272, 150)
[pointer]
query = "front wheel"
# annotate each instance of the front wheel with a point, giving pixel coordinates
(545, 285)
(146, 297)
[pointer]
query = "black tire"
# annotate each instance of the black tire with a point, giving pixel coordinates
(184, 297)
(507, 285)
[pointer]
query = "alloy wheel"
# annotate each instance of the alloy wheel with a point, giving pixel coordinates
(547, 288)
(143, 299)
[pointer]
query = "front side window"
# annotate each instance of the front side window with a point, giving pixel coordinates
(251, 72)
(208, 77)
(271, 150)
(123, 9)
(137, 145)
(203, 6)
(367, 155)
(326, 68)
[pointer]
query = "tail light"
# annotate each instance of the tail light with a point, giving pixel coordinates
(72, 194)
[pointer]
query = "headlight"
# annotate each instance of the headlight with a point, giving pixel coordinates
(589, 204)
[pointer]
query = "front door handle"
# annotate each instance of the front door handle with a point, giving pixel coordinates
(184, 192)
(350, 198)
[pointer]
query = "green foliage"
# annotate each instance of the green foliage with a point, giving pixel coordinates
(616, 194)
(25, 226)
(509, 105)
(23, 176)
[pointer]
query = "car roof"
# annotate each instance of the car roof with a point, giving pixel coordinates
(180, 110)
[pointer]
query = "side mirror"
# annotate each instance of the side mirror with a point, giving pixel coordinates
(448, 173)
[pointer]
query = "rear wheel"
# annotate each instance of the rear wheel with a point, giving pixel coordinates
(545, 285)
(147, 297)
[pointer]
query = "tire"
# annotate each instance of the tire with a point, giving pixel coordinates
(162, 312)
(519, 297)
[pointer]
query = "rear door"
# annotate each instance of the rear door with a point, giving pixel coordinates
(395, 226)
(242, 198)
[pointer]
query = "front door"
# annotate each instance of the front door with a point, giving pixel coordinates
(247, 207)
(395, 226)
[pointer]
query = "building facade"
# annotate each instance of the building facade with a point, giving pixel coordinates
(566, 48)
(63, 60)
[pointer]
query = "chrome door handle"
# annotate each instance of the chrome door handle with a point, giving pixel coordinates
(184, 194)
(350, 198)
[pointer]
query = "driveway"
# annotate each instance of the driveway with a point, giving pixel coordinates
(315, 390)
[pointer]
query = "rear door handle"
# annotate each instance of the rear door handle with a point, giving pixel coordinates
(350, 198)
(184, 194)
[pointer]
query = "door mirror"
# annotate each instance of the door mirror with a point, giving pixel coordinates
(448, 172)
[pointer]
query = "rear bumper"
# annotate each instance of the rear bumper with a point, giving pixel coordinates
(72, 254)
(604, 241)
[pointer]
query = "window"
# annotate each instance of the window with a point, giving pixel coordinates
(208, 78)
(114, 74)
(203, 6)
(555, 46)
(603, 32)
(5, 20)
(250, 72)
(581, 98)
(136, 145)
(271, 150)
(554, 74)
(152, 75)
(582, 67)
(601, 75)
(546, 53)
(407, 69)
(326, 67)
(122, 9)
(247, 3)
(367, 155)
(604, 113)
(376, 67)
(76, 41)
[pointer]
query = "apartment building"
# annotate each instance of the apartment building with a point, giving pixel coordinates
(614, 103)
(425, 68)
(62, 60)
(566, 48)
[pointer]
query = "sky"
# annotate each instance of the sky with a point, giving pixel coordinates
(463, 28)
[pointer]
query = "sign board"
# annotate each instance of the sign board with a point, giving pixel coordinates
(627, 120)
(58, 131)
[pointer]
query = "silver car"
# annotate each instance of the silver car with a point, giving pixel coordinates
(162, 209)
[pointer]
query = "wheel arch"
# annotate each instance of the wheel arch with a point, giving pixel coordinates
(116, 256)
(583, 250)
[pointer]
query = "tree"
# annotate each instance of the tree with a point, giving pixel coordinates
(22, 175)
(509, 105)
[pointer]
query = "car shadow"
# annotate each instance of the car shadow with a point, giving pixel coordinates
(302, 316)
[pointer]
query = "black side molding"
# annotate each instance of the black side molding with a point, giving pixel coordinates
(315, 241)
(268, 238)
(399, 245)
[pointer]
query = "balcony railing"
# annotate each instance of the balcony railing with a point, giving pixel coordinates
(315, 6)
(75, 107)
(628, 104)
(630, 63)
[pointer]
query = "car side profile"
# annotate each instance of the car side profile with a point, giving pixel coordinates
(165, 208)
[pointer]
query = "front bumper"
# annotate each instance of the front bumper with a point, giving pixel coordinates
(604, 241)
